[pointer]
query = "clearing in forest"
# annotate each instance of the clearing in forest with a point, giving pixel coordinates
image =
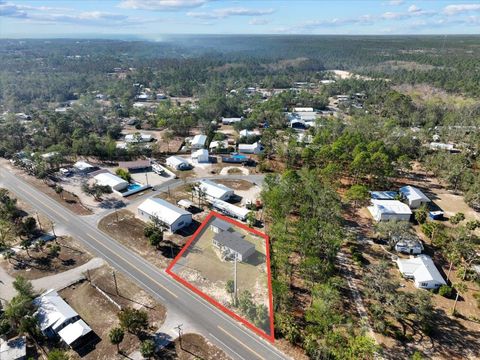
(228, 264)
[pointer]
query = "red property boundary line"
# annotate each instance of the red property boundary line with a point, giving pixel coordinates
(252, 327)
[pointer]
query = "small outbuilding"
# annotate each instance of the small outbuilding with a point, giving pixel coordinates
(173, 217)
(409, 244)
(83, 167)
(201, 156)
(383, 210)
(414, 197)
(422, 270)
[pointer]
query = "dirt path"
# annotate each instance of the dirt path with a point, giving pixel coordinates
(57, 281)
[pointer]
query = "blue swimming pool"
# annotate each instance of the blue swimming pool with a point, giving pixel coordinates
(133, 187)
(239, 157)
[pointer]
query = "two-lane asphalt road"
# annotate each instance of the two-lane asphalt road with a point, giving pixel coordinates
(236, 340)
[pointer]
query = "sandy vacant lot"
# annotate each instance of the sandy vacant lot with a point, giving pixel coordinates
(202, 266)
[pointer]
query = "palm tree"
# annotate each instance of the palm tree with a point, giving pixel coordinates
(116, 336)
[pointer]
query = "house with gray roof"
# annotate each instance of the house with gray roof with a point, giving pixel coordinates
(233, 244)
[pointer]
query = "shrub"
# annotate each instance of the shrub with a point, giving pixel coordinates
(457, 218)
(445, 291)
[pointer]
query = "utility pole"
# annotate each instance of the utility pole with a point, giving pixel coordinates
(180, 331)
(115, 281)
(38, 221)
(235, 280)
(146, 177)
(53, 230)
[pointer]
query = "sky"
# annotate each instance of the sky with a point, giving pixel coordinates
(150, 19)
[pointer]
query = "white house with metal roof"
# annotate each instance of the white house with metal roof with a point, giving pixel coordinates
(250, 148)
(173, 217)
(114, 181)
(414, 197)
(383, 210)
(422, 270)
(201, 156)
(57, 318)
(198, 141)
(213, 190)
(178, 163)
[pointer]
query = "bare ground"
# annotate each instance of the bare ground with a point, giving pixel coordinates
(101, 314)
(37, 264)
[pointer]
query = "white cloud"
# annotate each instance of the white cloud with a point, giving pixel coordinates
(395, 2)
(56, 15)
(161, 5)
(226, 12)
(460, 8)
(259, 21)
(414, 9)
(393, 16)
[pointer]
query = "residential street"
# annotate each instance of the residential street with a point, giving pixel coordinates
(219, 328)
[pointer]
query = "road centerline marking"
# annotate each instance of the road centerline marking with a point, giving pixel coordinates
(241, 343)
(135, 267)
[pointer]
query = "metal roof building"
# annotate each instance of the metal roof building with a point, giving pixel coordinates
(415, 197)
(382, 210)
(422, 270)
(198, 141)
(108, 179)
(213, 190)
(56, 317)
(173, 217)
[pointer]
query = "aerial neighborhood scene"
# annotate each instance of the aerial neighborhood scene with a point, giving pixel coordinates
(239, 180)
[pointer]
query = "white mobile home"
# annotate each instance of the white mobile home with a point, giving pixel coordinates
(302, 109)
(214, 191)
(232, 120)
(108, 179)
(422, 270)
(414, 197)
(56, 317)
(173, 217)
(383, 210)
(178, 163)
(230, 209)
(198, 141)
(250, 148)
(138, 138)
